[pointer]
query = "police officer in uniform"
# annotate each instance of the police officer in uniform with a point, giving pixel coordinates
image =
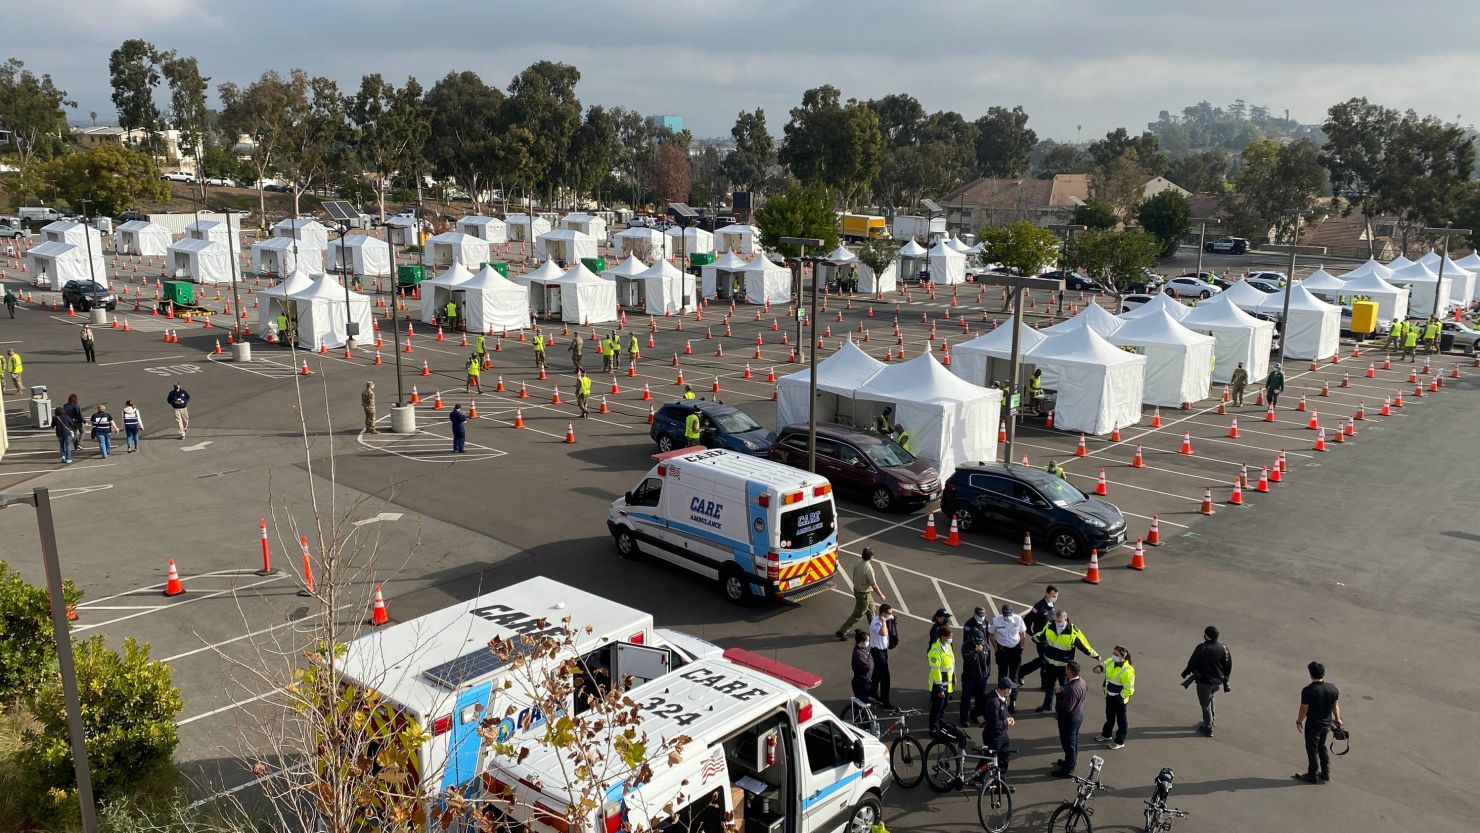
(976, 667)
(1061, 638)
(999, 720)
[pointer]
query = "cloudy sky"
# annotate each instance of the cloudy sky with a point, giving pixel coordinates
(1098, 64)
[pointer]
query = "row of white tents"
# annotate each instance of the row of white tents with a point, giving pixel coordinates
(1403, 287)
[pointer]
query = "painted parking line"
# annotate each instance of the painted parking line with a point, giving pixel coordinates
(231, 706)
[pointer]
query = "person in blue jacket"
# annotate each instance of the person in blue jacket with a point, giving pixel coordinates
(459, 428)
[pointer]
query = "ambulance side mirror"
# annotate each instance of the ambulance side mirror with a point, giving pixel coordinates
(629, 498)
(858, 752)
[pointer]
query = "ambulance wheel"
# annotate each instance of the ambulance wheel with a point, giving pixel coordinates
(865, 815)
(732, 583)
(627, 544)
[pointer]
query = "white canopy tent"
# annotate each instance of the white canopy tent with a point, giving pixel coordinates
(202, 261)
(54, 263)
(1471, 262)
(1368, 267)
(987, 359)
(587, 224)
(872, 284)
(949, 420)
(838, 376)
(491, 230)
(586, 298)
(1098, 385)
(1399, 262)
(668, 290)
(449, 247)
(523, 228)
(724, 278)
(1461, 279)
(947, 265)
(401, 231)
(841, 256)
(1162, 302)
(565, 245)
(306, 230)
(1246, 297)
(71, 231)
(646, 243)
(766, 282)
(1313, 329)
(1392, 302)
(688, 241)
(143, 238)
(738, 238)
(491, 302)
(209, 230)
(437, 291)
(1239, 337)
(1093, 316)
(1421, 281)
(955, 242)
(1179, 362)
(278, 256)
(274, 301)
(544, 288)
(630, 289)
(910, 259)
(367, 255)
(1323, 284)
(322, 314)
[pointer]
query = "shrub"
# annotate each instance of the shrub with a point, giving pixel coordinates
(27, 647)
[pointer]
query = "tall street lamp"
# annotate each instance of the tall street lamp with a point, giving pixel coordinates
(231, 251)
(1068, 229)
(409, 412)
(351, 327)
(1443, 234)
(1294, 215)
(802, 243)
(87, 237)
(1012, 401)
(1202, 237)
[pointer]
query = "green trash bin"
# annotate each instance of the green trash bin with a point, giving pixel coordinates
(181, 293)
(410, 275)
(701, 258)
(595, 264)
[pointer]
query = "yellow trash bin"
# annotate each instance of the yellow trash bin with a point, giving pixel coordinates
(1364, 317)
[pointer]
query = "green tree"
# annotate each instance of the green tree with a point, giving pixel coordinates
(260, 112)
(188, 109)
(542, 100)
(755, 151)
(1004, 142)
(27, 646)
(802, 211)
(314, 135)
(1055, 158)
(1022, 246)
(463, 116)
(1116, 259)
(592, 150)
(1272, 179)
(1429, 164)
(112, 178)
(636, 150)
(832, 144)
(901, 118)
(1120, 183)
(133, 72)
(388, 130)
(1147, 147)
(31, 109)
(1358, 136)
(1096, 214)
(1203, 172)
(1167, 217)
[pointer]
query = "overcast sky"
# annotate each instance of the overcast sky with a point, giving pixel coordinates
(1096, 63)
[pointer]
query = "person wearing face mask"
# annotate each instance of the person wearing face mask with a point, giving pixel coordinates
(1120, 684)
(942, 662)
(882, 637)
(976, 667)
(1060, 641)
(1008, 632)
(1036, 620)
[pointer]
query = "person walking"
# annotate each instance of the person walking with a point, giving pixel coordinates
(1120, 684)
(73, 410)
(1274, 383)
(942, 664)
(539, 350)
(1237, 383)
(103, 427)
(88, 344)
(475, 369)
(13, 368)
(606, 356)
(1070, 713)
(133, 425)
(179, 400)
(1036, 619)
(1320, 710)
(634, 351)
(1008, 631)
(999, 721)
(583, 393)
(1431, 336)
(862, 664)
(1395, 335)
(367, 401)
(576, 347)
(459, 422)
(480, 349)
(66, 431)
(976, 668)
(1209, 667)
(10, 301)
(1410, 341)
(1060, 641)
(882, 637)
(865, 588)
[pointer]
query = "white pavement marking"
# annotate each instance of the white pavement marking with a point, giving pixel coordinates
(200, 446)
(911, 519)
(383, 516)
(896, 596)
(214, 645)
(195, 805)
(230, 706)
(939, 593)
(160, 586)
(136, 361)
(179, 604)
(57, 469)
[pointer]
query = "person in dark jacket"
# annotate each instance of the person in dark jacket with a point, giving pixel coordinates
(941, 619)
(1070, 713)
(459, 428)
(999, 720)
(976, 667)
(863, 667)
(179, 400)
(66, 434)
(1036, 620)
(73, 410)
(1209, 667)
(103, 427)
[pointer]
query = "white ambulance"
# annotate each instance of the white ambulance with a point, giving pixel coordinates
(758, 527)
(762, 756)
(438, 672)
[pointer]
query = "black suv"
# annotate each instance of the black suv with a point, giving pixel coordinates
(84, 295)
(1013, 499)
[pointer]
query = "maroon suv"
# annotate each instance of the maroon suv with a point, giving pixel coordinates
(862, 463)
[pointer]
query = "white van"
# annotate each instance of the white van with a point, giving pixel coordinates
(758, 527)
(38, 214)
(762, 756)
(438, 672)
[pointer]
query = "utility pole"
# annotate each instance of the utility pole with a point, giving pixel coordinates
(1068, 230)
(802, 243)
(1443, 234)
(1202, 238)
(1294, 215)
(1011, 402)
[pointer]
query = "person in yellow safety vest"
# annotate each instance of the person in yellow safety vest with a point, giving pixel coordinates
(691, 430)
(884, 422)
(902, 437)
(1431, 335)
(583, 393)
(282, 328)
(13, 368)
(1060, 638)
(475, 369)
(1055, 469)
(688, 392)
(634, 351)
(481, 348)
(606, 356)
(614, 347)
(942, 662)
(1395, 335)
(1410, 341)
(1120, 684)
(451, 315)
(1035, 391)
(539, 350)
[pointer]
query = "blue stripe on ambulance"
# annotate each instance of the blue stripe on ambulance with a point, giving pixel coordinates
(830, 789)
(462, 738)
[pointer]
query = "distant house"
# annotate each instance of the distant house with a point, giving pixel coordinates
(1000, 202)
(167, 143)
(1157, 184)
(1350, 237)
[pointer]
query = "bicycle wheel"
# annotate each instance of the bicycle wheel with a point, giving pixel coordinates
(1069, 819)
(907, 760)
(1153, 823)
(942, 765)
(994, 804)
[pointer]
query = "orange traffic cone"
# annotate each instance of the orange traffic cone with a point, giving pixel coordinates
(930, 533)
(1153, 538)
(1263, 485)
(1138, 461)
(437, 400)
(570, 433)
(1092, 575)
(1080, 450)
(1237, 498)
(425, 369)
(555, 396)
(1269, 414)
(1049, 422)
(518, 418)
(652, 415)
(1325, 389)
(378, 360)
(1026, 556)
(1398, 400)
(1101, 488)
(1350, 429)
(499, 386)
(1321, 440)
(1001, 432)
(1301, 405)
(1156, 417)
(472, 409)
(1207, 502)
(1233, 429)
(953, 538)
(304, 371)
(378, 614)
(1346, 380)
(1371, 370)
(172, 585)
(1186, 443)
(415, 397)
(604, 408)
(218, 351)
(1115, 433)
(1138, 559)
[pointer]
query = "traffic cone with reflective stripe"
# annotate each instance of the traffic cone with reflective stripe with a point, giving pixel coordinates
(1156, 417)
(1138, 461)
(1138, 558)
(472, 409)
(218, 351)
(378, 360)
(1321, 440)
(555, 396)
(1207, 502)
(1153, 538)
(1398, 400)
(1233, 429)
(304, 371)
(518, 418)
(1080, 450)
(930, 533)
(1186, 443)
(953, 538)
(415, 397)
(616, 389)
(1387, 406)
(1237, 498)
(1026, 556)
(1049, 422)
(1115, 433)
(437, 400)
(1314, 423)
(1092, 575)
(570, 433)
(771, 375)
(1269, 414)
(306, 591)
(1346, 380)
(1263, 485)
(1325, 389)
(499, 386)
(1101, 488)
(604, 409)
(1371, 370)
(426, 370)
(378, 614)
(1350, 430)
(1001, 432)
(172, 585)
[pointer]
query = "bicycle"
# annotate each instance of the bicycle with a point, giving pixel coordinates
(906, 755)
(945, 770)
(1074, 816)
(1158, 815)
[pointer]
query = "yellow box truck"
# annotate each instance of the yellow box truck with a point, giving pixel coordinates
(860, 227)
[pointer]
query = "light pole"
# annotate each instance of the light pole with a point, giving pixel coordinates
(236, 300)
(351, 327)
(40, 498)
(1010, 403)
(1202, 237)
(802, 243)
(1443, 234)
(1294, 215)
(1068, 229)
(395, 319)
(87, 238)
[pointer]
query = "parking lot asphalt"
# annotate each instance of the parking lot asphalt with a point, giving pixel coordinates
(1364, 557)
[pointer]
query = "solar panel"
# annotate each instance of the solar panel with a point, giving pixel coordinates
(453, 673)
(681, 210)
(341, 210)
(932, 206)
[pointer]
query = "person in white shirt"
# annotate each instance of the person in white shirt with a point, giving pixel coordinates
(882, 637)
(1008, 630)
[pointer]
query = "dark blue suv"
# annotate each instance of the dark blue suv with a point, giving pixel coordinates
(720, 426)
(990, 497)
